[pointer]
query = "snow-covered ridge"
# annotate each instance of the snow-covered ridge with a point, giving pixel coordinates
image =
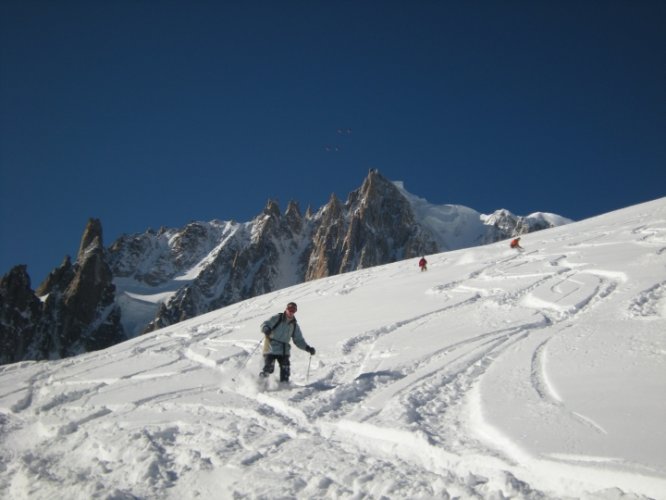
(458, 226)
(146, 281)
(495, 374)
(552, 219)
(206, 265)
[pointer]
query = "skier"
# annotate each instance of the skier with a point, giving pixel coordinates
(423, 264)
(279, 330)
(515, 243)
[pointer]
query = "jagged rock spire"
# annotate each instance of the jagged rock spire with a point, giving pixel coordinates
(78, 313)
(60, 275)
(272, 208)
(293, 209)
(92, 237)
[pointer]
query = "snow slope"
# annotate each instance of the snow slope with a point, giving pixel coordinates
(494, 374)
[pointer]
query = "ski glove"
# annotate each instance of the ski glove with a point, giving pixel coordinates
(266, 330)
(311, 350)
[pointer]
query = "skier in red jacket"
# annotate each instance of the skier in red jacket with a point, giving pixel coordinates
(423, 264)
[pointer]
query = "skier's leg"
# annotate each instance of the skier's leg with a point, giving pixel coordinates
(285, 368)
(269, 365)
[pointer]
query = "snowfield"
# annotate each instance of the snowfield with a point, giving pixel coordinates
(495, 374)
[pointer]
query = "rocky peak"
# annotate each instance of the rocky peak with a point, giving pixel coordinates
(19, 314)
(78, 312)
(272, 209)
(374, 183)
(380, 202)
(324, 259)
(92, 237)
(60, 277)
(16, 284)
(189, 245)
(92, 283)
(382, 226)
(332, 209)
(375, 226)
(293, 211)
(374, 186)
(505, 224)
(154, 257)
(293, 217)
(267, 221)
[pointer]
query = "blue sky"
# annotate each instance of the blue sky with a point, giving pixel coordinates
(155, 113)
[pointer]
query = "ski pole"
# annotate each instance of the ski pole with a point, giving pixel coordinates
(307, 377)
(247, 360)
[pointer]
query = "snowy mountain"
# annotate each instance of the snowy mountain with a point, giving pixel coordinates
(160, 278)
(227, 262)
(454, 226)
(494, 374)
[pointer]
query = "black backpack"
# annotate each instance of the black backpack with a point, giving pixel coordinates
(280, 318)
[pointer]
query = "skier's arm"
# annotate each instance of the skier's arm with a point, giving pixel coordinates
(268, 325)
(299, 340)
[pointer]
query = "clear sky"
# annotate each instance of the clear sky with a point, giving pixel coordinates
(155, 113)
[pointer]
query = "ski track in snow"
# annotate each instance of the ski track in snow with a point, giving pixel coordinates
(366, 426)
(651, 303)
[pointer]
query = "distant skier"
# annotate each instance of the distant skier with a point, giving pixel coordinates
(279, 330)
(515, 243)
(423, 264)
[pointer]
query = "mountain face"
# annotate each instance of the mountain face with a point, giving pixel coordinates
(77, 312)
(376, 226)
(143, 282)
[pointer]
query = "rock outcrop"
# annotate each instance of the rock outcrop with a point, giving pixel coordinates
(19, 315)
(77, 312)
